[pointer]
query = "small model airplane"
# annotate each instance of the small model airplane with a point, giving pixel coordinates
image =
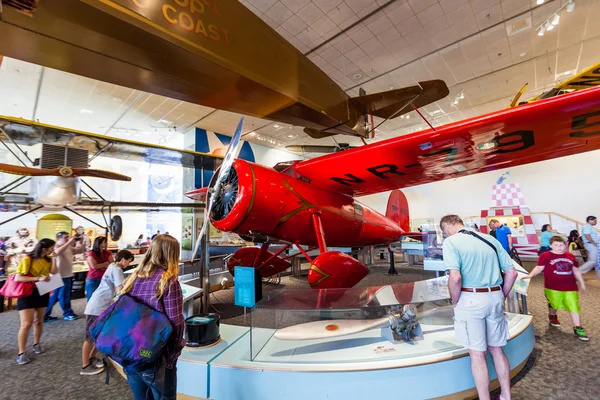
(313, 203)
(587, 78)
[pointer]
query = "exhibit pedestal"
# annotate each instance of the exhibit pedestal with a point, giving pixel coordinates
(357, 366)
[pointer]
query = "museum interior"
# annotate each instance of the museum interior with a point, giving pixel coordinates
(299, 199)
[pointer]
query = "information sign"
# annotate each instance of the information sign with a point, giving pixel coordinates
(244, 286)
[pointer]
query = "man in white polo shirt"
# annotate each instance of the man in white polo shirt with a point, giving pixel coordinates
(590, 238)
(475, 261)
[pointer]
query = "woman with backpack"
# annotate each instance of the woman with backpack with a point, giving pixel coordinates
(155, 283)
(36, 267)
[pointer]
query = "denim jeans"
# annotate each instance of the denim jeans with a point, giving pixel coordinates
(153, 384)
(90, 287)
(62, 296)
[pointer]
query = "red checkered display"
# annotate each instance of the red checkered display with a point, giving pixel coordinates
(507, 195)
(507, 201)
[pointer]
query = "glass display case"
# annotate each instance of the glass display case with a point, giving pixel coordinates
(319, 326)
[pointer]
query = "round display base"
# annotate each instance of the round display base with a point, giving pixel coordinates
(198, 346)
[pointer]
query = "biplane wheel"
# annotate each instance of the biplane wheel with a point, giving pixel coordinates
(116, 228)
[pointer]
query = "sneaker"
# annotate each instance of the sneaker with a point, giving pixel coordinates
(22, 359)
(71, 317)
(580, 333)
(554, 320)
(37, 349)
(97, 362)
(91, 369)
(50, 318)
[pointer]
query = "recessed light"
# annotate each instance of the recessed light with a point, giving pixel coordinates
(291, 136)
(391, 87)
(164, 122)
(523, 54)
(459, 168)
(116, 99)
(357, 76)
(86, 111)
(276, 126)
(540, 2)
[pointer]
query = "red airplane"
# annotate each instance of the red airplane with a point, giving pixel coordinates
(312, 202)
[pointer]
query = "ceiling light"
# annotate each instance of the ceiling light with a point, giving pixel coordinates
(391, 87)
(523, 54)
(407, 116)
(541, 31)
(116, 99)
(556, 19)
(571, 6)
(276, 126)
(164, 122)
(86, 111)
(462, 95)
(540, 2)
(291, 136)
(357, 76)
(455, 101)
(549, 26)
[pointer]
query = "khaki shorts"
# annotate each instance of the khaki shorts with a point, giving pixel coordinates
(479, 320)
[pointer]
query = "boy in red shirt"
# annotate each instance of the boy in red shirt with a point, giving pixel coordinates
(560, 281)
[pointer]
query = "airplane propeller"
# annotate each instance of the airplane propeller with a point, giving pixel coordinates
(225, 189)
(64, 172)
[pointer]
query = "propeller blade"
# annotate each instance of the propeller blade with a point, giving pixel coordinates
(18, 170)
(518, 96)
(329, 329)
(98, 173)
(223, 172)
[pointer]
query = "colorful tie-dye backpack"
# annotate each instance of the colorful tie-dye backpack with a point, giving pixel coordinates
(132, 333)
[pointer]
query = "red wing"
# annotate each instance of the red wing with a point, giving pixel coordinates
(557, 127)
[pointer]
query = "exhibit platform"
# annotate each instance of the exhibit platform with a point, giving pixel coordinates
(362, 365)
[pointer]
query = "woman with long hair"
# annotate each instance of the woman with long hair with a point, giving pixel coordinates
(545, 238)
(36, 267)
(98, 260)
(155, 283)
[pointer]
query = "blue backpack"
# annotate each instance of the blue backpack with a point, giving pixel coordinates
(131, 333)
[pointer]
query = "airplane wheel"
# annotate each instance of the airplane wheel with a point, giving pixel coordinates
(116, 228)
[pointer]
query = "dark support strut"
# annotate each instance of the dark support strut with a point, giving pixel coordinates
(392, 270)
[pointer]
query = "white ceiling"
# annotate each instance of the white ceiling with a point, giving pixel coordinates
(486, 49)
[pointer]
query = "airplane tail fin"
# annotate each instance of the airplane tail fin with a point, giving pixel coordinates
(397, 210)
(396, 102)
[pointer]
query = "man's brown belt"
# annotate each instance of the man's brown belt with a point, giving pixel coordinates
(481, 290)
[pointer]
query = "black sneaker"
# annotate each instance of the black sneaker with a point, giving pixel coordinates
(580, 333)
(91, 369)
(50, 318)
